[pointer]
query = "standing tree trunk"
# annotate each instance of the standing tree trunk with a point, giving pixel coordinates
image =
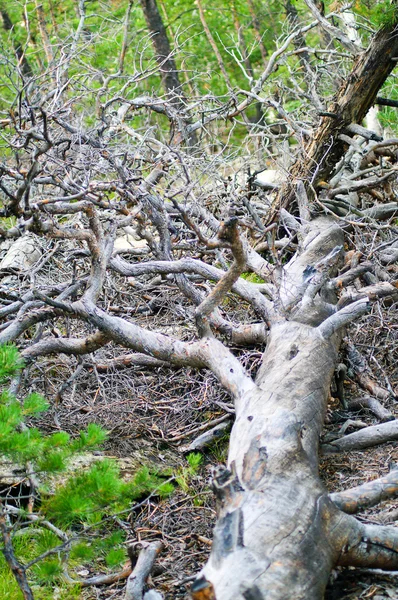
(168, 70)
(183, 72)
(299, 41)
(164, 53)
(214, 46)
(22, 60)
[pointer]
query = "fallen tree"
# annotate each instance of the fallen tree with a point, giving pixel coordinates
(278, 533)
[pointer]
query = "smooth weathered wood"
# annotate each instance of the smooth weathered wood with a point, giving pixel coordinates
(368, 494)
(278, 533)
(137, 579)
(365, 438)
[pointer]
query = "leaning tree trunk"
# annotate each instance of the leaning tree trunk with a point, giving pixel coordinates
(278, 533)
(351, 104)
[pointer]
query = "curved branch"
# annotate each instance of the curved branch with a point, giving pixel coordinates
(208, 352)
(365, 438)
(372, 404)
(251, 292)
(228, 232)
(142, 569)
(372, 546)
(74, 346)
(368, 494)
(343, 317)
(24, 322)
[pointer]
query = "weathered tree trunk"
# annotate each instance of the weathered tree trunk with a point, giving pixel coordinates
(351, 104)
(272, 536)
(278, 533)
(43, 33)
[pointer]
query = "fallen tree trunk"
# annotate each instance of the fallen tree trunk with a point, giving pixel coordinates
(278, 533)
(274, 509)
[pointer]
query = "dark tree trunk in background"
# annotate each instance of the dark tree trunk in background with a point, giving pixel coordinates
(299, 41)
(167, 66)
(23, 61)
(161, 44)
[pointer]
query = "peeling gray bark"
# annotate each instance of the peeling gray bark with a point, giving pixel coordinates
(278, 533)
(273, 508)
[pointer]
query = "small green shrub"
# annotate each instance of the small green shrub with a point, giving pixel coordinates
(78, 506)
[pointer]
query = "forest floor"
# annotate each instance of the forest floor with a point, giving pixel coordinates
(152, 414)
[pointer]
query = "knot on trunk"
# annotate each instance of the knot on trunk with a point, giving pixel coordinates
(202, 589)
(226, 484)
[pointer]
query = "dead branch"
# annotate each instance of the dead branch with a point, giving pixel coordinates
(141, 571)
(370, 546)
(361, 370)
(368, 494)
(365, 438)
(16, 567)
(373, 405)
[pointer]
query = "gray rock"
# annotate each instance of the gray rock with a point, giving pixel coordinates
(22, 254)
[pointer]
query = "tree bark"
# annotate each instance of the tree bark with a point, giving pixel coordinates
(167, 67)
(278, 533)
(351, 104)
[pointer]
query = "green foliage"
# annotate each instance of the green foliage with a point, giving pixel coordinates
(87, 494)
(388, 116)
(82, 552)
(145, 482)
(81, 501)
(185, 473)
(8, 584)
(384, 13)
(48, 570)
(34, 404)
(194, 459)
(219, 449)
(252, 277)
(115, 557)
(92, 438)
(10, 361)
